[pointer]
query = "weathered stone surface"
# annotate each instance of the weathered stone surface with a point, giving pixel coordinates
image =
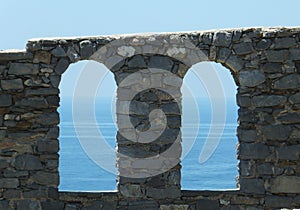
(33, 102)
(276, 132)
(223, 54)
(268, 100)
(5, 100)
(13, 84)
(137, 61)
(50, 146)
(277, 55)
(86, 48)
(172, 207)
(265, 169)
(42, 57)
(243, 48)
(41, 92)
(255, 186)
(222, 39)
(46, 178)
(9, 182)
(289, 152)
(295, 54)
(23, 69)
(295, 99)
(281, 43)
(284, 184)
(171, 192)
(28, 162)
(161, 63)
(28, 204)
(272, 68)
(4, 205)
(289, 118)
(59, 52)
(61, 66)
(131, 191)
(253, 151)
(247, 135)
(251, 78)
(204, 204)
(288, 82)
(263, 44)
(52, 205)
(246, 168)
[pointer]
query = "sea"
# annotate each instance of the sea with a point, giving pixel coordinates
(201, 128)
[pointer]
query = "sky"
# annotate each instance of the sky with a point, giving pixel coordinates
(23, 20)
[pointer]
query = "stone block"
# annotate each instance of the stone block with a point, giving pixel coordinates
(272, 68)
(52, 205)
(243, 48)
(5, 100)
(13, 84)
(204, 204)
(160, 62)
(58, 52)
(263, 44)
(295, 54)
(48, 146)
(288, 152)
(42, 57)
(276, 132)
(23, 69)
(234, 63)
(222, 39)
(278, 201)
(253, 186)
(61, 66)
(269, 100)
(28, 162)
(156, 193)
(251, 78)
(131, 190)
(287, 42)
(291, 81)
(46, 178)
(289, 118)
(223, 54)
(277, 55)
(9, 182)
(284, 184)
(247, 135)
(137, 61)
(28, 204)
(86, 49)
(253, 151)
(36, 103)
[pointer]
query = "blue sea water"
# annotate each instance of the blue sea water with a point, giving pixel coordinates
(79, 173)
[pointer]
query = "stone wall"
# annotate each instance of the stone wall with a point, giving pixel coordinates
(265, 64)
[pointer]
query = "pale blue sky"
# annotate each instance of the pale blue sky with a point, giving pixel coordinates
(22, 20)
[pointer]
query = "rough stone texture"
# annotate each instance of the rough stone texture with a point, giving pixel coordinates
(265, 64)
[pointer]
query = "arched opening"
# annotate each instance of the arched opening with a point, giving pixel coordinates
(86, 84)
(211, 88)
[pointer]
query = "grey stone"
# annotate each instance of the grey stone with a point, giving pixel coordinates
(236, 35)
(55, 80)
(243, 48)
(4, 205)
(137, 61)
(263, 44)
(285, 184)
(42, 57)
(288, 82)
(251, 78)
(247, 135)
(13, 84)
(276, 132)
(243, 100)
(295, 99)
(264, 169)
(23, 69)
(288, 152)
(278, 201)
(139, 108)
(253, 186)
(33, 102)
(28, 205)
(61, 66)
(41, 92)
(35, 194)
(5, 100)
(51, 118)
(295, 54)
(234, 63)
(204, 204)
(222, 39)
(268, 100)
(287, 42)
(11, 194)
(207, 38)
(161, 62)
(253, 151)
(15, 55)
(131, 190)
(58, 52)
(72, 207)
(86, 49)
(52, 205)
(246, 168)
(223, 54)
(50, 146)
(9, 182)
(72, 54)
(277, 55)
(289, 118)
(46, 178)
(171, 192)
(272, 68)
(53, 101)
(28, 162)
(14, 173)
